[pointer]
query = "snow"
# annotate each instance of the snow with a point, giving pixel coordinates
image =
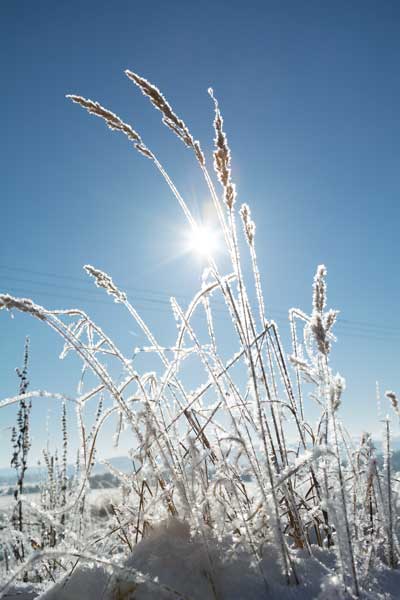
(171, 563)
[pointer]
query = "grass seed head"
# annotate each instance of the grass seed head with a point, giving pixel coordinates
(104, 281)
(222, 156)
(22, 304)
(319, 296)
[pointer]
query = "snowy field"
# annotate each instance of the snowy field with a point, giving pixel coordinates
(171, 564)
(97, 499)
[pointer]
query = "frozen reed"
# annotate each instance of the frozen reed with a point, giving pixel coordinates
(220, 457)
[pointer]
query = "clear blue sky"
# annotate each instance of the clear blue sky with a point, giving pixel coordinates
(310, 92)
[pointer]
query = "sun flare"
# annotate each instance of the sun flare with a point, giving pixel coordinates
(203, 241)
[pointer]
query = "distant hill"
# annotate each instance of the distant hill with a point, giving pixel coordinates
(124, 464)
(34, 473)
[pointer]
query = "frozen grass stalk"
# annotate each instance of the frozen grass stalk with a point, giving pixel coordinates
(219, 462)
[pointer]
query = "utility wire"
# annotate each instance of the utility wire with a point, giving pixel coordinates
(345, 326)
(163, 294)
(166, 310)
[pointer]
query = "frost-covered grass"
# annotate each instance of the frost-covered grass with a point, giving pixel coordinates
(222, 503)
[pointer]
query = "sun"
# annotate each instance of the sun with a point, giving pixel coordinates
(203, 241)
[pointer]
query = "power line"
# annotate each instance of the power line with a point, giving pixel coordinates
(74, 298)
(88, 290)
(354, 328)
(162, 294)
(81, 280)
(354, 325)
(166, 310)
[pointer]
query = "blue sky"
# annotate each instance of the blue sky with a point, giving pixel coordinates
(310, 94)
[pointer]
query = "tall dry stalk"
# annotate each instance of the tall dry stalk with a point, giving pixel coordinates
(194, 451)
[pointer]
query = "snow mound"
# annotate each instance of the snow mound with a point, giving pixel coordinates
(171, 563)
(86, 582)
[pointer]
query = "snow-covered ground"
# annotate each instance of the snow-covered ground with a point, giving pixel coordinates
(171, 563)
(97, 498)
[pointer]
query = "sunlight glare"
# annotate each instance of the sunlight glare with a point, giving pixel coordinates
(203, 241)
